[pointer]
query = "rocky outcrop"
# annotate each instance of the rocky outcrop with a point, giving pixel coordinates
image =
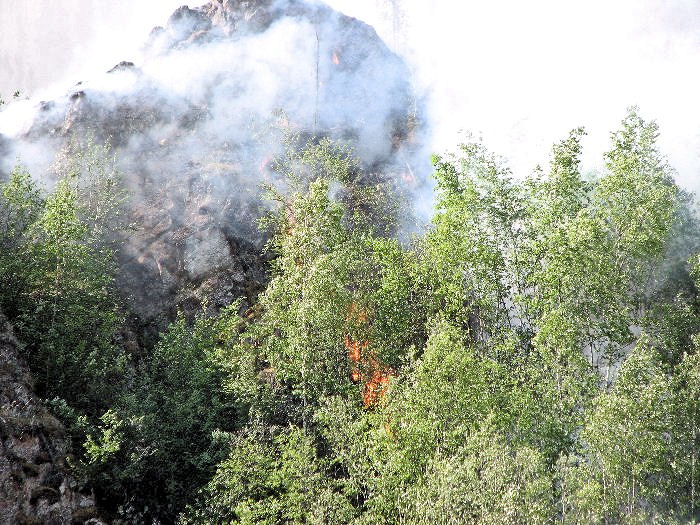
(35, 485)
(198, 125)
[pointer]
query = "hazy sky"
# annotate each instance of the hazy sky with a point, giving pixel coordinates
(45, 42)
(519, 74)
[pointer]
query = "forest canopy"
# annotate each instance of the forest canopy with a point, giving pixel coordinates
(531, 357)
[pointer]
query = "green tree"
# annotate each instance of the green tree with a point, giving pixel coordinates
(58, 267)
(475, 232)
(156, 447)
(277, 478)
(629, 439)
(486, 481)
(333, 280)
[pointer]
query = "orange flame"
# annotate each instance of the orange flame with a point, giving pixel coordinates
(335, 58)
(355, 349)
(408, 176)
(375, 388)
(367, 368)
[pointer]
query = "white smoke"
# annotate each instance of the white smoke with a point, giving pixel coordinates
(191, 121)
(324, 74)
(518, 74)
(522, 74)
(199, 118)
(45, 45)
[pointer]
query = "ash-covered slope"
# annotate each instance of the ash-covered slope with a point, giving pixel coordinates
(197, 125)
(34, 484)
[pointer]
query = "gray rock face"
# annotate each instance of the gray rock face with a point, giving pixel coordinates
(35, 486)
(205, 253)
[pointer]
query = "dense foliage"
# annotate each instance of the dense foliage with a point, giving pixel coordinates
(531, 358)
(57, 270)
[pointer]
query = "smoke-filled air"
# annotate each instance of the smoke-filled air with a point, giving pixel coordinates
(284, 261)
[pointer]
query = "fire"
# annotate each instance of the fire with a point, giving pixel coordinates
(375, 388)
(335, 58)
(355, 349)
(367, 367)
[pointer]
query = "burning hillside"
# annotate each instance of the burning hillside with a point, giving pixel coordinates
(532, 356)
(196, 128)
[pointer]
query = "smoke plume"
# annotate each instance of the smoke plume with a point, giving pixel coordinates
(197, 123)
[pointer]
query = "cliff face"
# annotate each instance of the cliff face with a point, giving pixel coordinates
(35, 486)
